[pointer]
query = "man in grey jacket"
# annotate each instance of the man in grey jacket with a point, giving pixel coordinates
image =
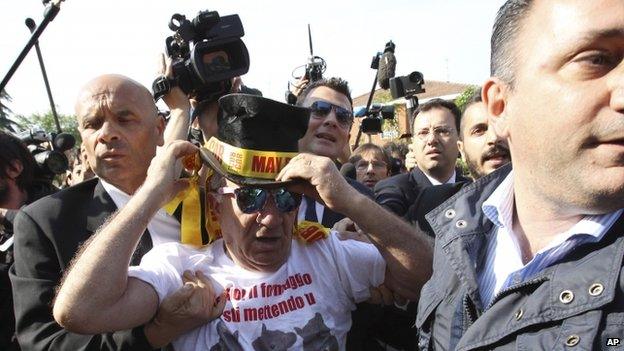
(531, 258)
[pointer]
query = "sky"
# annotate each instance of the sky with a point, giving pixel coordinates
(446, 40)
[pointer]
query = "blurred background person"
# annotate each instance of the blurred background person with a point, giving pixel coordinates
(480, 147)
(372, 164)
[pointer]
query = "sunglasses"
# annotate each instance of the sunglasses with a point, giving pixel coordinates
(323, 108)
(251, 200)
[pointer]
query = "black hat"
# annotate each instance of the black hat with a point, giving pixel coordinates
(256, 138)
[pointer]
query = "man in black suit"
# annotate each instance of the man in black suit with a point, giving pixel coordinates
(120, 129)
(327, 135)
(434, 145)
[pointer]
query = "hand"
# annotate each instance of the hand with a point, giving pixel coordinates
(175, 98)
(381, 295)
(410, 158)
(193, 305)
(162, 179)
(347, 230)
(324, 182)
(298, 87)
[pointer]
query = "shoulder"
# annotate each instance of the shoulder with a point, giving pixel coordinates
(76, 194)
(394, 181)
(361, 188)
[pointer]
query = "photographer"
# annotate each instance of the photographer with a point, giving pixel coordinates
(17, 167)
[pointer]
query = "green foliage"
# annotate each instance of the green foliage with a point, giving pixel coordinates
(382, 96)
(5, 122)
(68, 123)
(463, 98)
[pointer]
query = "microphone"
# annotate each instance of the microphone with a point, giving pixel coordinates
(387, 66)
(348, 170)
(64, 141)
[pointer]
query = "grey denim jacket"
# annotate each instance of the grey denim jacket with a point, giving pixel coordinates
(576, 304)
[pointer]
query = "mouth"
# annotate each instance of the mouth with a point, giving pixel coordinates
(325, 136)
(497, 157)
(111, 155)
(369, 182)
(433, 152)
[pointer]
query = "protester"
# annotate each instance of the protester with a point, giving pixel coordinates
(480, 147)
(120, 129)
(279, 287)
(434, 141)
(540, 245)
(371, 164)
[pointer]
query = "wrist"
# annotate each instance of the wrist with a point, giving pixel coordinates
(157, 336)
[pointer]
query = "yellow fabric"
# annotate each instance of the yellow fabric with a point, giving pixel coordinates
(190, 225)
(309, 232)
(249, 163)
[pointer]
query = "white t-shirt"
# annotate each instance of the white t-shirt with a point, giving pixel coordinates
(305, 305)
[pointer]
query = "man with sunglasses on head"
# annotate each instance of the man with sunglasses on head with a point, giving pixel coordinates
(327, 135)
(276, 290)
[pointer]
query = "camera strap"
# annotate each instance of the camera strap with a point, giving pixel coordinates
(161, 86)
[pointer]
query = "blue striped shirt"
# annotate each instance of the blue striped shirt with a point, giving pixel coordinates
(503, 265)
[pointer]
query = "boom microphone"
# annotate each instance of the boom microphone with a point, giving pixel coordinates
(387, 65)
(64, 141)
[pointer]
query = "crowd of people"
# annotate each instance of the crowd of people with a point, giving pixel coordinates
(253, 237)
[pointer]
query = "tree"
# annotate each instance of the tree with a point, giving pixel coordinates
(45, 121)
(463, 98)
(5, 122)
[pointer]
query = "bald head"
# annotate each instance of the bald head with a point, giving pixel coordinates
(120, 129)
(105, 87)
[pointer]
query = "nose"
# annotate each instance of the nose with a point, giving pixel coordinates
(270, 216)
(107, 133)
(330, 119)
(491, 136)
(431, 139)
(369, 168)
(616, 88)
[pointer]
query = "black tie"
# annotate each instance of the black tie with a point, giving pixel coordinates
(145, 244)
(310, 214)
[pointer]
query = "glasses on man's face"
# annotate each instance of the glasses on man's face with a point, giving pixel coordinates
(436, 132)
(251, 200)
(363, 165)
(320, 109)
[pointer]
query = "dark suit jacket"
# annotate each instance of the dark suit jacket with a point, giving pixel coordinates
(399, 192)
(48, 233)
(428, 199)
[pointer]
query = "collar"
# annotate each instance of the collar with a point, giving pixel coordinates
(120, 198)
(434, 181)
(500, 205)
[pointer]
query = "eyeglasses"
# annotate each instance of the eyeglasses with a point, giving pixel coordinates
(363, 165)
(437, 132)
(251, 200)
(321, 109)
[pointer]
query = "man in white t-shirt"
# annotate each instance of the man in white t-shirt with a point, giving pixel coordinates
(275, 291)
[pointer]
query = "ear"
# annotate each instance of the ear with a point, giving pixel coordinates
(160, 129)
(494, 94)
(460, 146)
(15, 169)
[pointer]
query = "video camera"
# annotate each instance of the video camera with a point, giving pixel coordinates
(371, 123)
(408, 85)
(206, 54)
(48, 150)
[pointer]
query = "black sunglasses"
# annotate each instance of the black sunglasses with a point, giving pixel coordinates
(252, 200)
(323, 108)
